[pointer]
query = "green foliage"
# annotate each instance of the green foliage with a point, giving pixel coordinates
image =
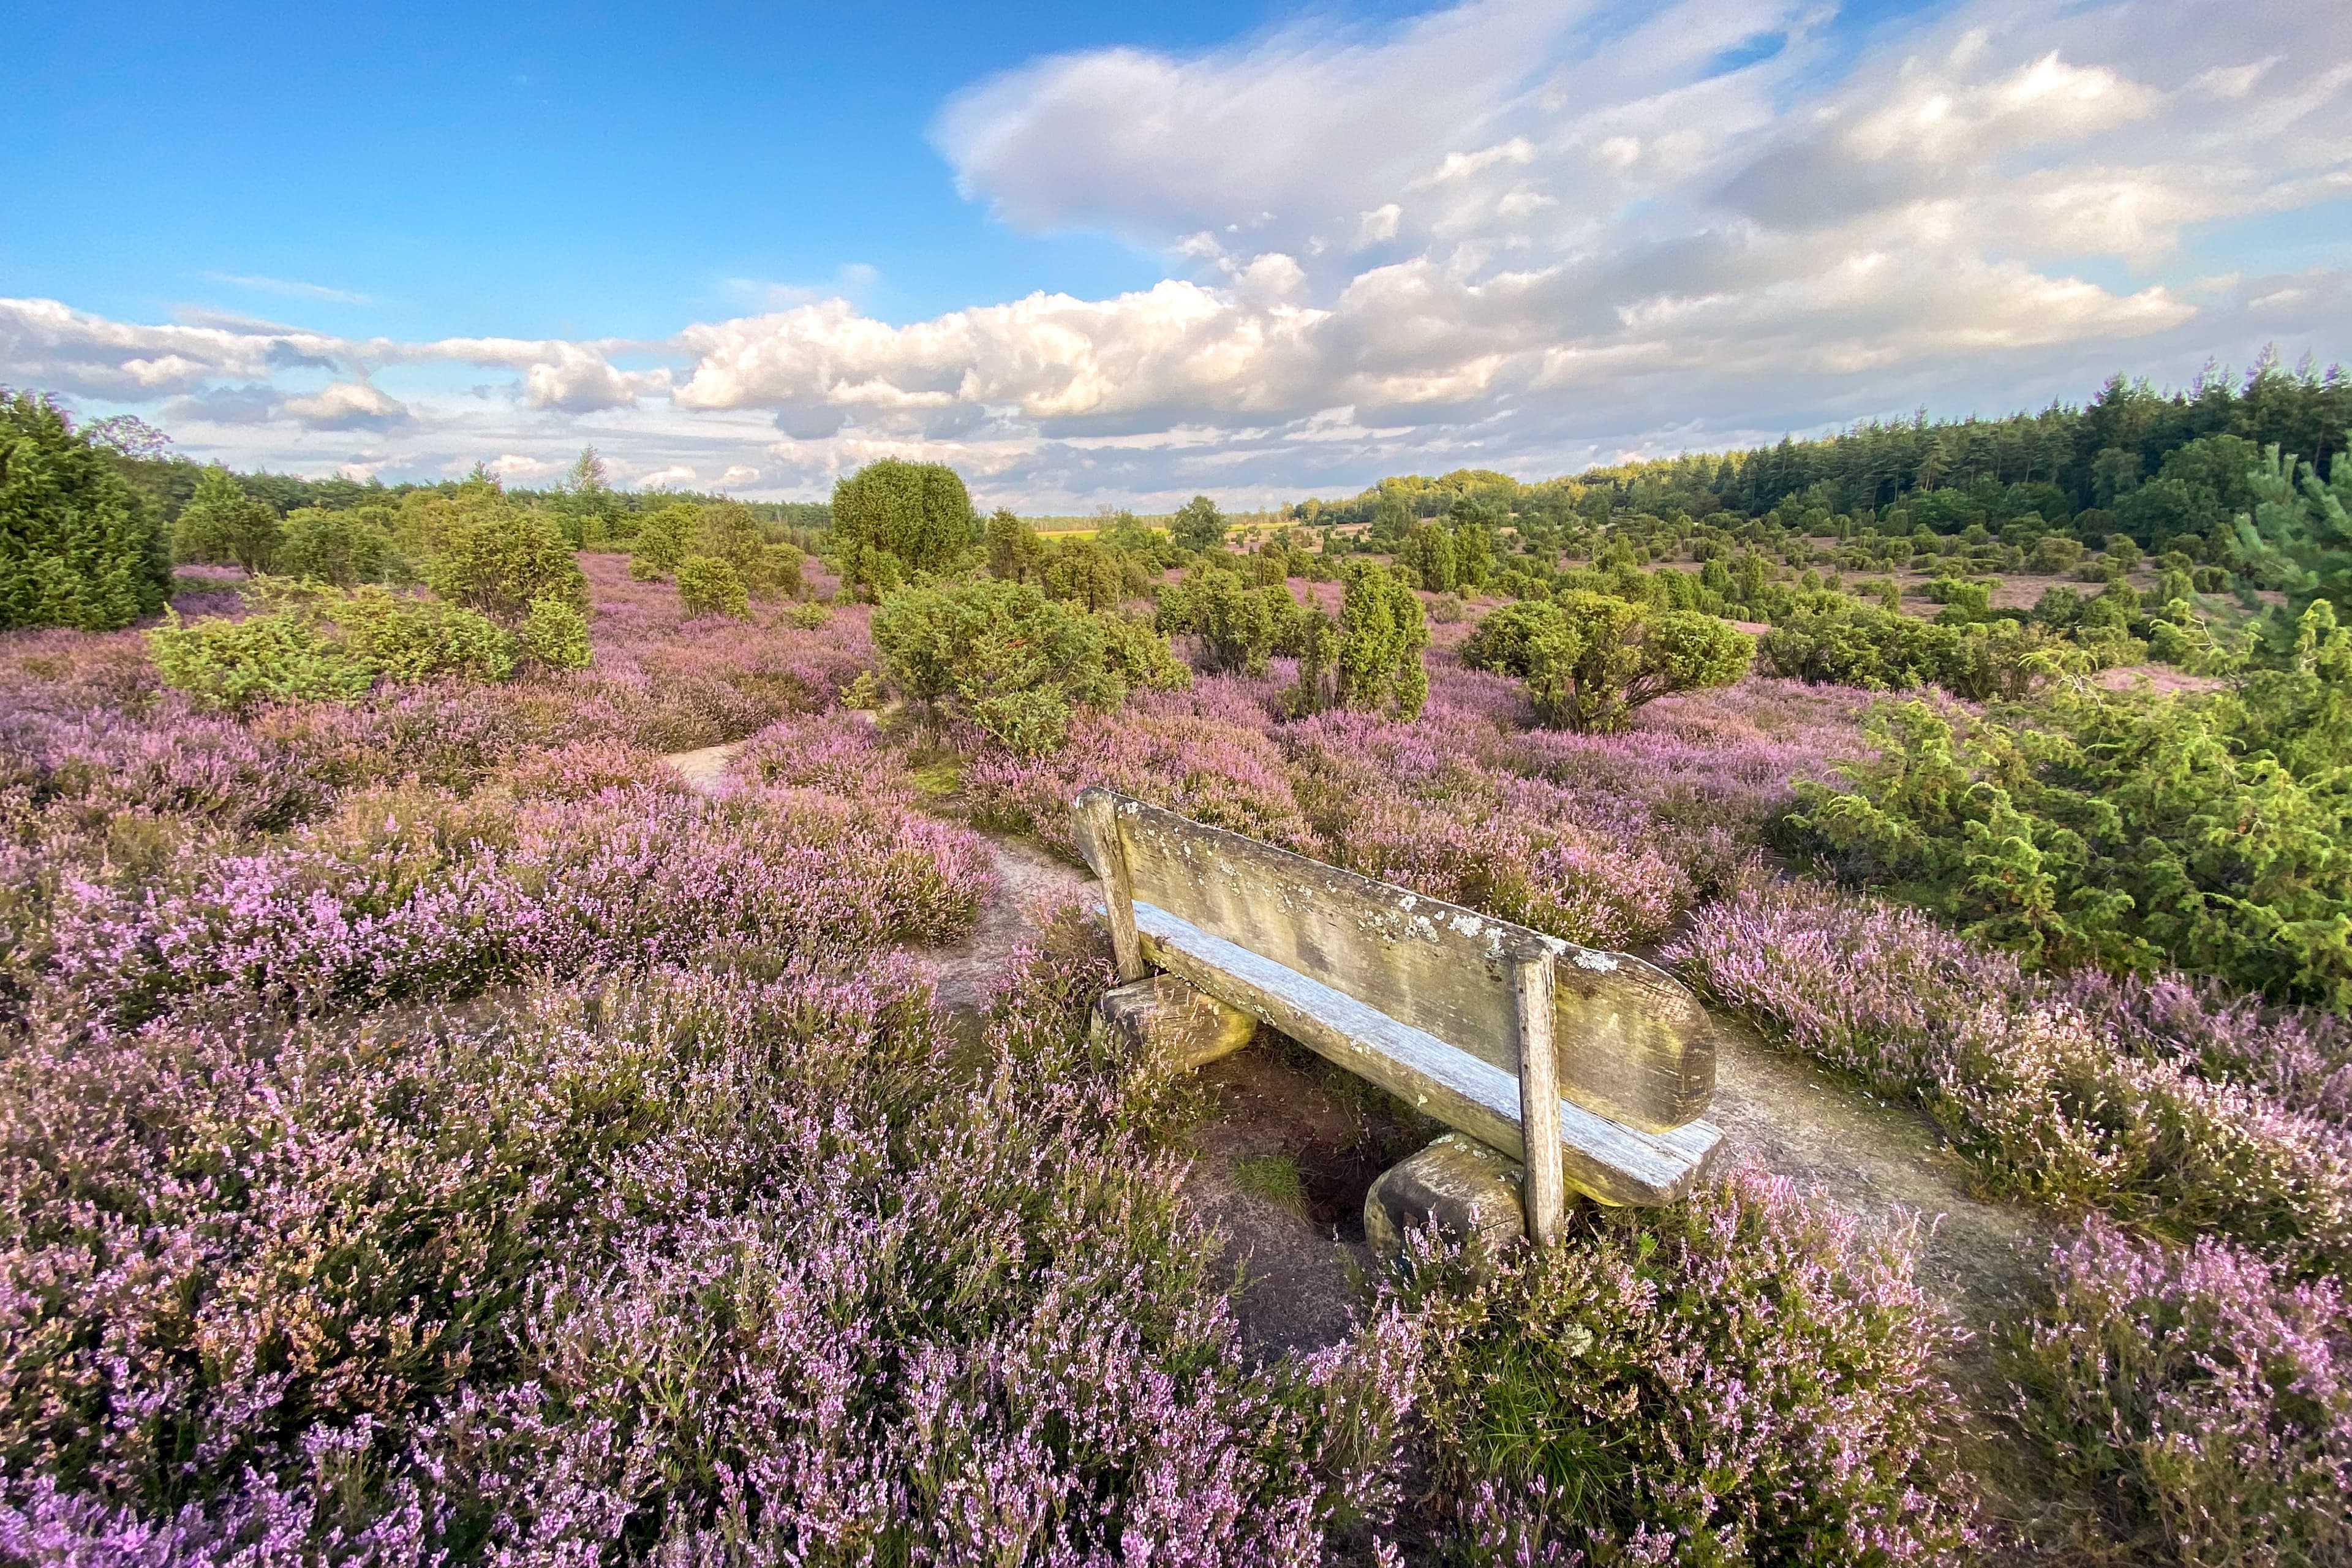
(76, 548)
(2130, 831)
(492, 555)
(728, 532)
(2298, 536)
(708, 586)
(1240, 627)
(663, 540)
(1427, 551)
(1382, 635)
(919, 514)
(1198, 525)
(342, 547)
(556, 634)
(310, 644)
(1589, 659)
(1082, 572)
(1011, 660)
(1015, 553)
(261, 659)
(224, 525)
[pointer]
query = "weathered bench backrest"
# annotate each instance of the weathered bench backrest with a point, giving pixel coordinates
(1631, 1043)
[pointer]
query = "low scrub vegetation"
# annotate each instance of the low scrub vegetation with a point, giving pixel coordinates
(436, 1132)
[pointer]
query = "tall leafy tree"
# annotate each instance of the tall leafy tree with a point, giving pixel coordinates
(76, 548)
(224, 525)
(1198, 525)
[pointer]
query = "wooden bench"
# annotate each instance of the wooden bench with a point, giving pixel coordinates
(1591, 1068)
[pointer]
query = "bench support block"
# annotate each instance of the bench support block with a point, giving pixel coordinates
(1161, 1014)
(1473, 1193)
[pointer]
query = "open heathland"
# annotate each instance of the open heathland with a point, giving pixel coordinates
(587, 1059)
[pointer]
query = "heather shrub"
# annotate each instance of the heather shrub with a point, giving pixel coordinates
(1743, 1378)
(2200, 1396)
(556, 635)
(698, 1262)
(414, 893)
(1208, 767)
(76, 548)
(2032, 1077)
(710, 586)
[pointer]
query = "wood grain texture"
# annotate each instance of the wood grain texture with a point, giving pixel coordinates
(1532, 986)
(1604, 1159)
(1630, 1042)
(1100, 840)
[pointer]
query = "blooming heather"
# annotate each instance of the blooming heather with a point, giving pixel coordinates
(703, 1264)
(2205, 1400)
(1607, 840)
(1744, 1378)
(414, 894)
(2153, 1101)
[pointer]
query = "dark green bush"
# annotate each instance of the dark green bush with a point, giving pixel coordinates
(313, 644)
(1011, 660)
(710, 586)
(918, 515)
(1589, 660)
(1382, 635)
(223, 525)
(496, 556)
(664, 537)
(2132, 831)
(76, 548)
(344, 548)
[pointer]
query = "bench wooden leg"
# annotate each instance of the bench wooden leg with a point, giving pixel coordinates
(1546, 1190)
(1099, 810)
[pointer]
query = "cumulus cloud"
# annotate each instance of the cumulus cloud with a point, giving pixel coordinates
(1508, 234)
(349, 405)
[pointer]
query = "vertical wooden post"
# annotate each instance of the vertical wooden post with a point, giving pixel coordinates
(1101, 813)
(1545, 1192)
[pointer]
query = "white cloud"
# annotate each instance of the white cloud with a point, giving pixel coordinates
(665, 479)
(349, 406)
(1517, 234)
(518, 467)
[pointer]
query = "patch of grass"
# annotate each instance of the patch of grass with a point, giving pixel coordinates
(1274, 1177)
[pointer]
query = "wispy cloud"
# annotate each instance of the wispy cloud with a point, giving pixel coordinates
(292, 288)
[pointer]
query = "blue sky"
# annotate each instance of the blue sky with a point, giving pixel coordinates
(1098, 254)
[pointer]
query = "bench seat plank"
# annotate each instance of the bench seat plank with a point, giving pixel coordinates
(1604, 1159)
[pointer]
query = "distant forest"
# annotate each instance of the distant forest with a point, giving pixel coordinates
(2167, 468)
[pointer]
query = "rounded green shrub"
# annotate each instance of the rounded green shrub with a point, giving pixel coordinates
(710, 586)
(556, 635)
